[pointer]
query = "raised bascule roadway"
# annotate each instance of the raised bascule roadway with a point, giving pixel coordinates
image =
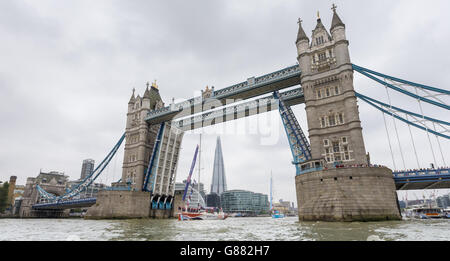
(333, 172)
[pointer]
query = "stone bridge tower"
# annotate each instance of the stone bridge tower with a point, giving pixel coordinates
(327, 79)
(140, 140)
(335, 133)
(140, 136)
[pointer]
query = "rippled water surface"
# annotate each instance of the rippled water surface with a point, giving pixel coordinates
(259, 228)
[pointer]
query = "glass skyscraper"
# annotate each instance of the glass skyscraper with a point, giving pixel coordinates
(219, 182)
(244, 202)
(87, 168)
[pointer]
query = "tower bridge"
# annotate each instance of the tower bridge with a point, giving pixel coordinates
(335, 179)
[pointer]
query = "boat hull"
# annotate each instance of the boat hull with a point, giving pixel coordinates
(201, 216)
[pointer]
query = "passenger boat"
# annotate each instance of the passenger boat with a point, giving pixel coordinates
(201, 216)
(427, 213)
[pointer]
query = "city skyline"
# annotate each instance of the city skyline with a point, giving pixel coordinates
(79, 76)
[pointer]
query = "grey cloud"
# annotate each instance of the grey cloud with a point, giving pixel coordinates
(68, 68)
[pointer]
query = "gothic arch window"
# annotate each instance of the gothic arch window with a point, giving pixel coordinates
(340, 118)
(332, 120)
(319, 40)
(322, 56)
(323, 122)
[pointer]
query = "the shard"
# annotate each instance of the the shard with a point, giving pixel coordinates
(219, 182)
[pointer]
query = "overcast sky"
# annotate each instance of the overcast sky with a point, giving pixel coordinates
(68, 67)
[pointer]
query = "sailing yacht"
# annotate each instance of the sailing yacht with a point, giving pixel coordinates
(199, 213)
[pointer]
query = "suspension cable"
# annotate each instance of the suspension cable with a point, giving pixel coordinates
(389, 140)
(439, 144)
(395, 127)
(426, 128)
(412, 140)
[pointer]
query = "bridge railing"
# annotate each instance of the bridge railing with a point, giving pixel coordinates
(234, 89)
(251, 106)
(422, 172)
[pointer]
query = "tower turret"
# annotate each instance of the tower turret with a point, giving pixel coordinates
(146, 98)
(338, 34)
(302, 48)
(131, 102)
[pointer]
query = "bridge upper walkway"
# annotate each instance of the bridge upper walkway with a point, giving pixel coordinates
(253, 87)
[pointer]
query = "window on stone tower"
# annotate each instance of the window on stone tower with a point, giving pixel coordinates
(322, 122)
(336, 90)
(340, 118)
(332, 120)
(346, 156)
(328, 92)
(319, 40)
(322, 57)
(336, 146)
(319, 94)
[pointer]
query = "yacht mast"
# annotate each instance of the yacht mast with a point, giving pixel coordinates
(199, 168)
(270, 190)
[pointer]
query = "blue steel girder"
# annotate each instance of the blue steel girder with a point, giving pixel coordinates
(300, 148)
(359, 95)
(150, 175)
(67, 204)
(253, 87)
(233, 112)
(370, 74)
(88, 180)
(402, 119)
(422, 179)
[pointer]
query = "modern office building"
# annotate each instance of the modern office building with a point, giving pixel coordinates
(87, 168)
(213, 200)
(245, 202)
(219, 182)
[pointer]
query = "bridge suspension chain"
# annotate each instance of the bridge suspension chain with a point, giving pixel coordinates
(439, 144)
(86, 182)
(396, 131)
(370, 74)
(392, 110)
(413, 143)
(418, 120)
(389, 140)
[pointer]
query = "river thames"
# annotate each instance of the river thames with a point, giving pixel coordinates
(231, 229)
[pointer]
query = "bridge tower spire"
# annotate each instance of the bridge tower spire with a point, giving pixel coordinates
(325, 191)
(327, 79)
